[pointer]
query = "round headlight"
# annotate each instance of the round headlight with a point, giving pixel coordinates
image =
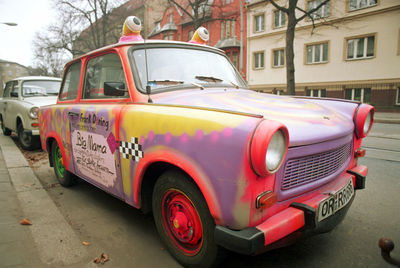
(276, 151)
(33, 112)
(364, 118)
(367, 124)
(268, 147)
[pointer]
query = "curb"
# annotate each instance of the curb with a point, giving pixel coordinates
(54, 238)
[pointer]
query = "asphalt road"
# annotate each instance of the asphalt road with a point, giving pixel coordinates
(130, 239)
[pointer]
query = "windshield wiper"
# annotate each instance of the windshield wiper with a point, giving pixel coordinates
(166, 82)
(208, 79)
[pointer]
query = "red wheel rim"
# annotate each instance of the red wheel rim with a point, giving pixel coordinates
(182, 222)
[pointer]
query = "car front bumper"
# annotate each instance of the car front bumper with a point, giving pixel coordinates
(297, 221)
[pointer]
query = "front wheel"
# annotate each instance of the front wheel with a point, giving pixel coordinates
(184, 222)
(26, 139)
(64, 177)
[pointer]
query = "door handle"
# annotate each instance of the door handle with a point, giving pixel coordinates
(73, 114)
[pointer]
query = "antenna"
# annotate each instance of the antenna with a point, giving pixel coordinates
(148, 87)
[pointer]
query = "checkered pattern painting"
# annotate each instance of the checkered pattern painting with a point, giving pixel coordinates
(131, 149)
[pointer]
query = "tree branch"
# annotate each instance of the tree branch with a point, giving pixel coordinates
(281, 8)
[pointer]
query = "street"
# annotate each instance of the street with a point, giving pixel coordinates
(130, 238)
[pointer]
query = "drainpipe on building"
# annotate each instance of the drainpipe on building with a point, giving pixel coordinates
(241, 38)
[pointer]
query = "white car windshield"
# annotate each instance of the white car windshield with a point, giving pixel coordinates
(36, 88)
(174, 68)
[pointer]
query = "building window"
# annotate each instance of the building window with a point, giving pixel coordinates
(279, 19)
(279, 92)
(358, 4)
(227, 28)
(322, 12)
(317, 53)
(361, 48)
(278, 58)
(398, 96)
(319, 93)
(258, 60)
(190, 34)
(235, 59)
(227, 2)
(259, 22)
(358, 94)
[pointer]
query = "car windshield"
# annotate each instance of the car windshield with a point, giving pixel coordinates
(36, 88)
(174, 68)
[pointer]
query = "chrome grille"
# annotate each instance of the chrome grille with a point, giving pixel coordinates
(300, 171)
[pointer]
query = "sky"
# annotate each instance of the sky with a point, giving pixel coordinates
(31, 16)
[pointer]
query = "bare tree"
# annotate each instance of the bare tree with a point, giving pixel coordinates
(198, 11)
(290, 12)
(83, 25)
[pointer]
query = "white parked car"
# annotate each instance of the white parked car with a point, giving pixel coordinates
(19, 106)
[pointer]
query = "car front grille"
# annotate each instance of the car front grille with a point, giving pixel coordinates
(311, 168)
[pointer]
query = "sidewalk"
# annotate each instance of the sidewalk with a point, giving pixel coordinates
(17, 246)
(50, 240)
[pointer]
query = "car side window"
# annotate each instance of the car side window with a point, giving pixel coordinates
(104, 78)
(70, 87)
(7, 89)
(14, 90)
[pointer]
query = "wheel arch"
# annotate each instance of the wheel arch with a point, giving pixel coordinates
(151, 171)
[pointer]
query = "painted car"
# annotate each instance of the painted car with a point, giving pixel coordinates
(19, 106)
(171, 128)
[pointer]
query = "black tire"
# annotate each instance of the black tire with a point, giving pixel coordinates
(27, 140)
(64, 177)
(174, 193)
(6, 131)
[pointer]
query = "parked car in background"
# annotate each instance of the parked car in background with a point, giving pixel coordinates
(172, 128)
(22, 98)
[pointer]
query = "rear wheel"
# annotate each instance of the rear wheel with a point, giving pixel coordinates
(64, 177)
(6, 131)
(184, 222)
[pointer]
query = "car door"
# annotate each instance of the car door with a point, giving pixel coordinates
(10, 105)
(94, 123)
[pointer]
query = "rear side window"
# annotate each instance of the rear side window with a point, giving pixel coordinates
(7, 90)
(70, 87)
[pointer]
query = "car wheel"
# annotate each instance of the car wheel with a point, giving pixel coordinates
(184, 222)
(64, 177)
(6, 131)
(26, 140)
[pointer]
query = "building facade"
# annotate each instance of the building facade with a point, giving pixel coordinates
(223, 19)
(10, 70)
(352, 53)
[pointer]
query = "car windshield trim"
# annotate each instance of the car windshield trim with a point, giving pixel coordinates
(239, 82)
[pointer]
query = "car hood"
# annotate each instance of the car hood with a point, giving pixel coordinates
(41, 101)
(308, 122)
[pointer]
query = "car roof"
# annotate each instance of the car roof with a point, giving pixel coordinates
(150, 42)
(37, 78)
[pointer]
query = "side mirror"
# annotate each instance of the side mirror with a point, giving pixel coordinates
(14, 94)
(114, 89)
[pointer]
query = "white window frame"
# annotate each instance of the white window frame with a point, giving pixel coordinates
(314, 48)
(280, 92)
(322, 12)
(259, 57)
(355, 44)
(280, 63)
(319, 94)
(398, 96)
(360, 4)
(259, 23)
(281, 19)
(353, 90)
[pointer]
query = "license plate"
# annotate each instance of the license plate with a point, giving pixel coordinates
(336, 201)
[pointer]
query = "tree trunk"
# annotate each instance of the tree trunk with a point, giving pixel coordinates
(290, 80)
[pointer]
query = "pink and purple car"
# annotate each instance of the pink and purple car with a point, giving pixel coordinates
(171, 128)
